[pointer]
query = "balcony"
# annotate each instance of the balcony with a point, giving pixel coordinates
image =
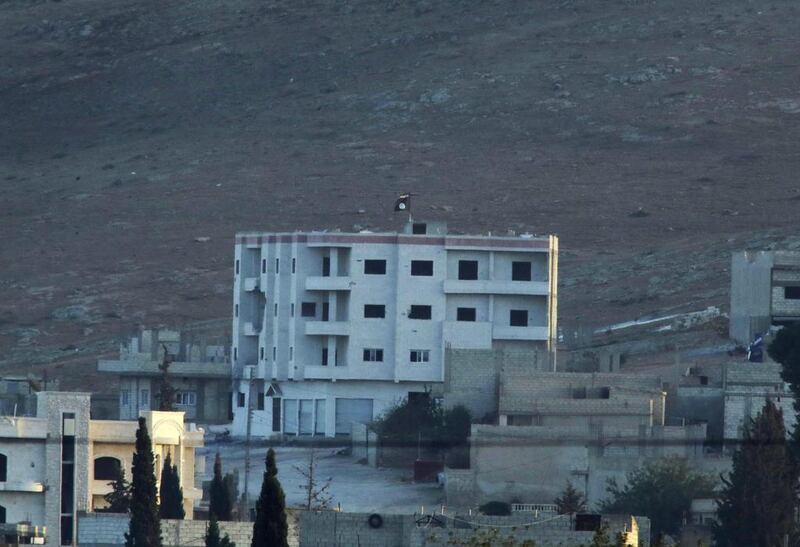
(251, 329)
(320, 283)
(468, 334)
(486, 286)
(327, 328)
(251, 284)
(21, 486)
(520, 333)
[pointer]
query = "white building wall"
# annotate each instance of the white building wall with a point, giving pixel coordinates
(273, 342)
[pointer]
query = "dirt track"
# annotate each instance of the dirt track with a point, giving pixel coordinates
(653, 137)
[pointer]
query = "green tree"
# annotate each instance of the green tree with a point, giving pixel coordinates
(785, 349)
(570, 501)
(145, 526)
(119, 499)
(270, 528)
(220, 504)
(662, 490)
(170, 492)
(600, 537)
(212, 538)
(757, 503)
(166, 392)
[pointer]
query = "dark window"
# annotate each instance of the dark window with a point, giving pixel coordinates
(294, 265)
(419, 355)
(66, 530)
(260, 403)
(2, 515)
(308, 309)
(373, 354)
(520, 271)
(468, 269)
(419, 228)
(519, 318)
(276, 309)
(106, 468)
(374, 311)
(326, 266)
(419, 312)
(791, 293)
(3, 468)
(277, 265)
(324, 357)
(236, 310)
(261, 353)
(237, 267)
(263, 265)
(240, 400)
(422, 267)
(276, 414)
(325, 311)
(291, 310)
(235, 354)
(375, 267)
(465, 314)
(274, 353)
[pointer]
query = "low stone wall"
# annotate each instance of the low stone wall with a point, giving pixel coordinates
(332, 529)
(108, 530)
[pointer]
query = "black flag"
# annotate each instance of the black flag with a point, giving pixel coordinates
(403, 203)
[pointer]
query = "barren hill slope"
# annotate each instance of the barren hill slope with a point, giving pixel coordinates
(652, 136)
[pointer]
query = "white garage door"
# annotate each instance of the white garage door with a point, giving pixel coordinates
(352, 410)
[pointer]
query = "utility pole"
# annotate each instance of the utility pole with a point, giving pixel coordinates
(249, 410)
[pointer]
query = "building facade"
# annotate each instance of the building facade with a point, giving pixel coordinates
(199, 371)
(765, 291)
(60, 462)
(335, 328)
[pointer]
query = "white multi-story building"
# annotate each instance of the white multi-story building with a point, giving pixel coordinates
(331, 328)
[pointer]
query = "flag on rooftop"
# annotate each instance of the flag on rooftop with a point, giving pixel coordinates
(403, 203)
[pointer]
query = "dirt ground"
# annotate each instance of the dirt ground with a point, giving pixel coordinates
(653, 137)
(354, 486)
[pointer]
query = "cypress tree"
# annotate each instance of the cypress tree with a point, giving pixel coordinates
(212, 538)
(571, 501)
(758, 499)
(170, 492)
(119, 499)
(220, 504)
(270, 528)
(785, 349)
(145, 526)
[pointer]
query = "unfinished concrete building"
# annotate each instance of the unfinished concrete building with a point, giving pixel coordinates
(199, 372)
(765, 291)
(583, 428)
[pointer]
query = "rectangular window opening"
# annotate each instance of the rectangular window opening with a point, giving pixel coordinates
(373, 355)
(791, 293)
(277, 265)
(375, 267)
(465, 314)
(468, 269)
(518, 318)
(260, 403)
(294, 265)
(520, 271)
(324, 362)
(419, 312)
(420, 355)
(237, 267)
(374, 311)
(263, 265)
(326, 266)
(308, 309)
(419, 228)
(422, 267)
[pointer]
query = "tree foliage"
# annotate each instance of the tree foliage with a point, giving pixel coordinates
(785, 349)
(119, 499)
(212, 538)
(170, 492)
(422, 419)
(662, 491)
(758, 498)
(145, 525)
(316, 492)
(270, 528)
(570, 501)
(166, 392)
(220, 504)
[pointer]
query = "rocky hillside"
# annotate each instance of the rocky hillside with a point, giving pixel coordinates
(137, 136)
